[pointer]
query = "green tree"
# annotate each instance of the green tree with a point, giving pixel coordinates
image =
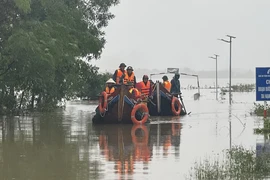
(42, 47)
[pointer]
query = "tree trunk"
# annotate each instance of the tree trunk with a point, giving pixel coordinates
(33, 101)
(20, 106)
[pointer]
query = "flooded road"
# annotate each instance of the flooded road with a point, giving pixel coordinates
(66, 146)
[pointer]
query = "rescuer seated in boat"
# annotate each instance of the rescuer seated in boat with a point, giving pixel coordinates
(134, 91)
(109, 86)
(166, 83)
(145, 87)
(109, 89)
(130, 76)
(119, 74)
(175, 85)
(136, 95)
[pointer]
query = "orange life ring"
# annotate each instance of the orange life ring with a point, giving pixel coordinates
(176, 112)
(141, 149)
(145, 132)
(135, 109)
(103, 100)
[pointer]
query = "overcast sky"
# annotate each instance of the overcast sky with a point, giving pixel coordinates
(183, 33)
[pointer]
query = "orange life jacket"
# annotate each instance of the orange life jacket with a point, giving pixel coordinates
(145, 89)
(129, 78)
(167, 85)
(137, 92)
(119, 75)
(109, 91)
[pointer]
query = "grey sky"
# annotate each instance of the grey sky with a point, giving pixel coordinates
(183, 33)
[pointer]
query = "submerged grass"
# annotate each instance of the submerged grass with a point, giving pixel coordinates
(238, 163)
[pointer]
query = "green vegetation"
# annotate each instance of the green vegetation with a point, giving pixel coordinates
(239, 163)
(265, 130)
(258, 109)
(45, 50)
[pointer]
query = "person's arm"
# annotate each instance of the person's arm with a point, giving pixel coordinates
(133, 94)
(179, 86)
(114, 75)
(135, 82)
(172, 86)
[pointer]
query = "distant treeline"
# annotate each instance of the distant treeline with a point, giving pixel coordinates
(237, 74)
(243, 87)
(45, 50)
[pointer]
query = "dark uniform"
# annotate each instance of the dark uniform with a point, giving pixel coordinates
(175, 82)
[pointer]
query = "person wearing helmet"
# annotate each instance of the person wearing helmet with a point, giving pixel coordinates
(130, 76)
(109, 86)
(175, 85)
(166, 83)
(119, 74)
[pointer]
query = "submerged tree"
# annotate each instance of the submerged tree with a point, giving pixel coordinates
(45, 49)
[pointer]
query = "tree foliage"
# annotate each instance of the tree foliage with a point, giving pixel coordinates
(45, 49)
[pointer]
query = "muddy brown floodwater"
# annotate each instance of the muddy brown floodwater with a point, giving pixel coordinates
(64, 145)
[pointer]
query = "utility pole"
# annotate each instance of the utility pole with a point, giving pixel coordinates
(230, 67)
(216, 75)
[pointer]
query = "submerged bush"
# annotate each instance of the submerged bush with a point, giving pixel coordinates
(239, 163)
(258, 109)
(265, 130)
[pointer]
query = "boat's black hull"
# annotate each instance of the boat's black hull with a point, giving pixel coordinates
(118, 110)
(165, 103)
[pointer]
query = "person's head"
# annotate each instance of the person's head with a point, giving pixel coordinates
(129, 85)
(145, 78)
(177, 75)
(129, 70)
(110, 82)
(165, 78)
(122, 66)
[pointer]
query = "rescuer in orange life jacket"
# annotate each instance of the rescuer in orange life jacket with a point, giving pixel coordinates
(145, 87)
(119, 74)
(166, 83)
(130, 76)
(109, 86)
(134, 91)
(137, 97)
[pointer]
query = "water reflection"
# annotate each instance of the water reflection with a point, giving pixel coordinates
(64, 145)
(36, 148)
(131, 148)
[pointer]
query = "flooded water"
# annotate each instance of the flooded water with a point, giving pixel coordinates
(66, 146)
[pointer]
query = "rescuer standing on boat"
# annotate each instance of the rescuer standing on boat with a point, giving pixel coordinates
(175, 85)
(145, 87)
(130, 76)
(166, 83)
(119, 74)
(109, 86)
